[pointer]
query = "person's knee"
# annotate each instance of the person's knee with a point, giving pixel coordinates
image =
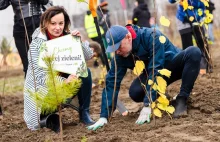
(135, 94)
(194, 53)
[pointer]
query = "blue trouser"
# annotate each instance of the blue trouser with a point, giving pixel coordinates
(185, 66)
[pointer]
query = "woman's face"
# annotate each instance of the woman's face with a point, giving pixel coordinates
(56, 25)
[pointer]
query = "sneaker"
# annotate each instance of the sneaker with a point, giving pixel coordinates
(180, 107)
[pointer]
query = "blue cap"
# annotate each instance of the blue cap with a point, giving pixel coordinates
(117, 33)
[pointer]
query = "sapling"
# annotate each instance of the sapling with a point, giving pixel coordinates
(58, 92)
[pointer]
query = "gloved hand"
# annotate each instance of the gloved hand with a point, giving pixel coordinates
(101, 122)
(144, 116)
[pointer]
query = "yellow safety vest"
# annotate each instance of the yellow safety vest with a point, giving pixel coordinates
(90, 26)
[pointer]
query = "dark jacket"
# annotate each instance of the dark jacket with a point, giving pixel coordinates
(184, 15)
(30, 8)
(143, 49)
(141, 16)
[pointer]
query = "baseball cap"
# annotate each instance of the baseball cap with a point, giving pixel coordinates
(118, 34)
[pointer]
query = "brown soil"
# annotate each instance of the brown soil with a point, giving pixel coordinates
(201, 124)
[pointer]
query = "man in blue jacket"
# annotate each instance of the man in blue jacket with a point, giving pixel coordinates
(132, 43)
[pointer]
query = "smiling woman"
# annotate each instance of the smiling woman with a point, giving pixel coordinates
(54, 23)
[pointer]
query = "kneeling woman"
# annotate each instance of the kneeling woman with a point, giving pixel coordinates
(54, 23)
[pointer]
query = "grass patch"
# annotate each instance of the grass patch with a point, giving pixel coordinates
(12, 84)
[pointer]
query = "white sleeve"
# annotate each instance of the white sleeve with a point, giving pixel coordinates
(87, 51)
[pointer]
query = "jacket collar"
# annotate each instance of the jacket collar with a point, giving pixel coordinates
(134, 30)
(38, 34)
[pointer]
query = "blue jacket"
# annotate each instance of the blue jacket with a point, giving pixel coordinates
(143, 49)
(182, 15)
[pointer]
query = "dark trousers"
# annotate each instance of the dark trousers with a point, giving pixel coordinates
(187, 41)
(22, 47)
(184, 66)
(85, 92)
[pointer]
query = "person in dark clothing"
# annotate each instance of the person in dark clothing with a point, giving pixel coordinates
(141, 15)
(31, 12)
(133, 43)
(105, 16)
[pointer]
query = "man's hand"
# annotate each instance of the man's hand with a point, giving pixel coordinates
(101, 122)
(144, 116)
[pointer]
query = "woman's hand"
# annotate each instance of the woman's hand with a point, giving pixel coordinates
(71, 78)
(75, 33)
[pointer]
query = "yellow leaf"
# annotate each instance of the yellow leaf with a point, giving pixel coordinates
(205, 2)
(170, 109)
(206, 27)
(164, 21)
(200, 12)
(153, 105)
(208, 18)
(155, 87)
(163, 101)
(191, 18)
(201, 24)
(150, 82)
(157, 112)
(185, 4)
(190, 7)
(161, 106)
(162, 95)
(161, 84)
(207, 12)
(165, 72)
(139, 66)
(162, 39)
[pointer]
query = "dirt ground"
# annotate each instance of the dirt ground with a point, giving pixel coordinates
(201, 124)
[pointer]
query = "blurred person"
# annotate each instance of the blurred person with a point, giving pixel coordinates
(210, 10)
(31, 12)
(54, 23)
(92, 32)
(104, 17)
(96, 48)
(133, 43)
(141, 14)
(104, 21)
(153, 23)
(188, 28)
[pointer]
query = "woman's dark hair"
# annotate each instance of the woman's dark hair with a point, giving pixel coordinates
(51, 12)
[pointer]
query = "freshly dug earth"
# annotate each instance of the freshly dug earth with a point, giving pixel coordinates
(201, 124)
